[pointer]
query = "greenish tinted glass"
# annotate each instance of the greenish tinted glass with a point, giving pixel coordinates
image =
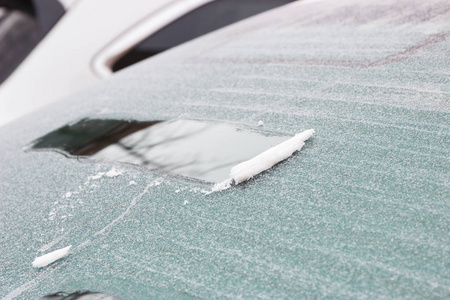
(361, 212)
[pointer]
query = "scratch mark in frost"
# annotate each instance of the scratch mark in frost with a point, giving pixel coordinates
(51, 244)
(31, 283)
(155, 182)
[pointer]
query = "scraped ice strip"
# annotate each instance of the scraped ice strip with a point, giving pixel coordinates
(252, 167)
(51, 257)
(269, 158)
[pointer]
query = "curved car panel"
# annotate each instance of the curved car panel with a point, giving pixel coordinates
(362, 211)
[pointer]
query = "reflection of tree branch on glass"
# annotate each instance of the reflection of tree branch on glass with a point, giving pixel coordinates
(141, 145)
(202, 150)
(153, 164)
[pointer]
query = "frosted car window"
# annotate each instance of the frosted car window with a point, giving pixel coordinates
(201, 150)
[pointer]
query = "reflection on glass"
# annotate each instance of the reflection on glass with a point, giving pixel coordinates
(201, 150)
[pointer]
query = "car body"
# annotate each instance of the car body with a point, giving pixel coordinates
(360, 212)
(23, 23)
(95, 37)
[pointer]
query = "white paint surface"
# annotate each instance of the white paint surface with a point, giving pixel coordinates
(69, 58)
(66, 3)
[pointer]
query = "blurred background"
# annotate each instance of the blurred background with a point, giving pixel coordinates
(23, 23)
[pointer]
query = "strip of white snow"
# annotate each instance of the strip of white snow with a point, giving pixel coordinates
(51, 257)
(252, 167)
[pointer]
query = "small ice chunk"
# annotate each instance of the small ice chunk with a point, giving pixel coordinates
(132, 182)
(252, 167)
(98, 176)
(113, 173)
(260, 123)
(222, 185)
(68, 194)
(51, 257)
(177, 191)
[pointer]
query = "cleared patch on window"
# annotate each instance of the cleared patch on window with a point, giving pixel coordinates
(197, 149)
